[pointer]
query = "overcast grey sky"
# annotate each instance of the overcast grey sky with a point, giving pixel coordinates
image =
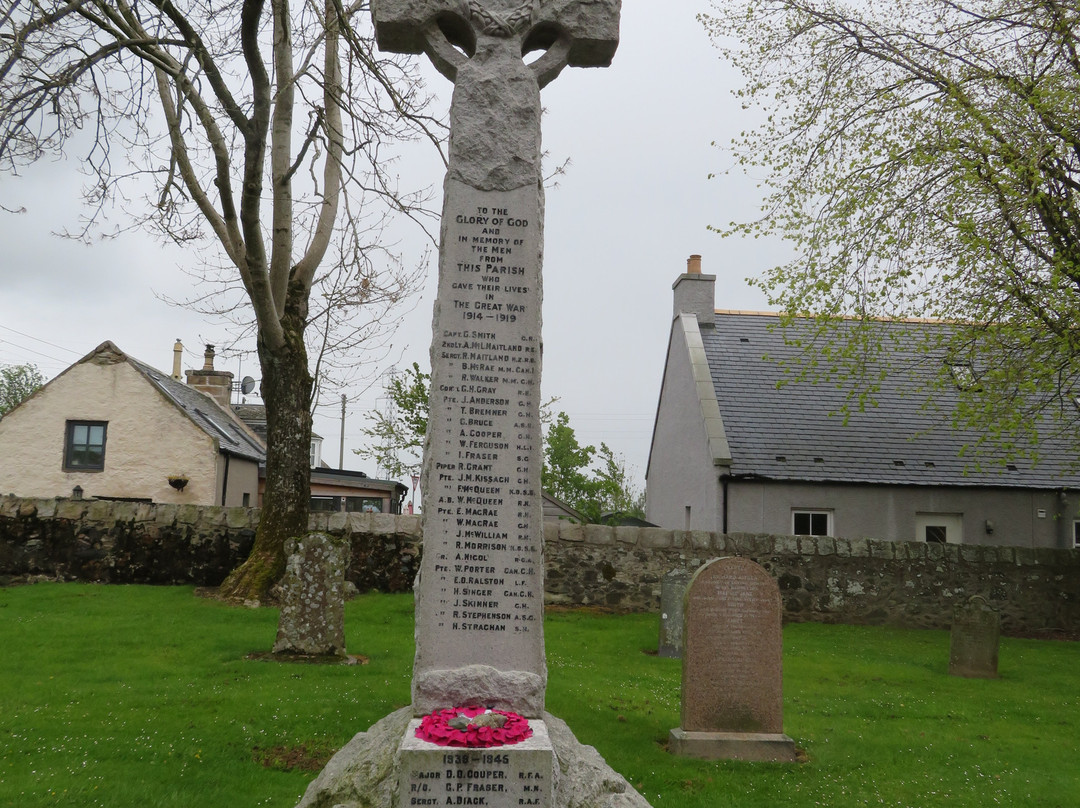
(635, 202)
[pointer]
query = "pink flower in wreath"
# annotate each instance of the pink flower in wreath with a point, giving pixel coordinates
(436, 727)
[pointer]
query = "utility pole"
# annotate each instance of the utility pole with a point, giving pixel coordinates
(341, 450)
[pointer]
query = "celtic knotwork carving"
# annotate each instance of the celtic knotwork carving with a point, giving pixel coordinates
(496, 25)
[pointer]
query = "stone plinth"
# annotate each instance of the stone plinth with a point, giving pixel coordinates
(762, 747)
(516, 775)
(974, 640)
(732, 681)
(312, 618)
(365, 774)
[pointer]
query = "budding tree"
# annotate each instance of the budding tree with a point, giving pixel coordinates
(256, 123)
(923, 157)
(17, 383)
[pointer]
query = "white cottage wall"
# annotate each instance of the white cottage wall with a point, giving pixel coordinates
(147, 440)
(683, 492)
(990, 516)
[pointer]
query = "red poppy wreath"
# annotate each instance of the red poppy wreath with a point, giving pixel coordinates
(474, 727)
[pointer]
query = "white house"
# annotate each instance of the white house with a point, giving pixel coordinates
(734, 450)
(112, 427)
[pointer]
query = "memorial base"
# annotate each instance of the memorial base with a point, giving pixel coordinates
(752, 746)
(370, 772)
(496, 777)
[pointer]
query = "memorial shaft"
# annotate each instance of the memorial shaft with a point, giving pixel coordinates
(479, 612)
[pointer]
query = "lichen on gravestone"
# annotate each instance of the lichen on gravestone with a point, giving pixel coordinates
(312, 620)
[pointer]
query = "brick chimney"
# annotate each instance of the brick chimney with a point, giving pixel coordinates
(215, 383)
(696, 293)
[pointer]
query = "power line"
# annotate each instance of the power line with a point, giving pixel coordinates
(38, 339)
(24, 349)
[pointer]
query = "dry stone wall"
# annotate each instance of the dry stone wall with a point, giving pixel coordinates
(619, 568)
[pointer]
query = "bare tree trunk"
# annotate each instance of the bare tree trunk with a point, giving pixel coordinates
(286, 389)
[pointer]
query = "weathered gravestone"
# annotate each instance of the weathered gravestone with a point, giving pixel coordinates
(973, 647)
(672, 596)
(312, 618)
(479, 602)
(732, 680)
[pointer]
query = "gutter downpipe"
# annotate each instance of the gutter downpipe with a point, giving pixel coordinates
(724, 480)
(225, 480)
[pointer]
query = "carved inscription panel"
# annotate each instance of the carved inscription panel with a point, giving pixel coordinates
(482, 569)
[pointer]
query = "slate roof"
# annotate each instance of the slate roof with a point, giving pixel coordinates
(232, 438)
(797, 432)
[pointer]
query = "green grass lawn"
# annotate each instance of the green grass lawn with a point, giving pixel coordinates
(129, 697)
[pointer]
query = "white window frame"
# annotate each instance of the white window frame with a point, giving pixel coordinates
(812, 512)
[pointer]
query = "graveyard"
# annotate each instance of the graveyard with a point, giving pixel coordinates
(130, 696)
(469, 690)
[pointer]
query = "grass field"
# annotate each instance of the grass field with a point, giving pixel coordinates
(129, 697)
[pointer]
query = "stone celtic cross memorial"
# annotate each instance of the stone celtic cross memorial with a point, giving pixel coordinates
(479, 673)
(479, 636)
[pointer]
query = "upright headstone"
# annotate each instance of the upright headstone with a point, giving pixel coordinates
(732, 679)
(672, 597)
(974, 640)
(312, 618)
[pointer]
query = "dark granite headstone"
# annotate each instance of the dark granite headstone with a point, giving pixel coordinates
(973, 649)
(732, 694)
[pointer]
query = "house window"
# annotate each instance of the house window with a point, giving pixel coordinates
(84, 446)
(939, 528)
(811, 523)
(363, 504)
(325, 504)
(1076, 533)
(937, 534)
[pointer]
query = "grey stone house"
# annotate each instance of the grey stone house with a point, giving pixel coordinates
(733, 452)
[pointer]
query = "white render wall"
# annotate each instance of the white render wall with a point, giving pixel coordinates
(147, 440)
(681, 472)
(1017, 517)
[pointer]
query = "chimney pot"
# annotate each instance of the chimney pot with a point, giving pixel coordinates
(208, 358)
(177, 359)
(695, 293)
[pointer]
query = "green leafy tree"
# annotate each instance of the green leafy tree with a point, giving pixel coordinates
(617, 492)
(396, 434)
(18, 383)
(923, 158)
(592, 481)
(257, 130)
(565, 474)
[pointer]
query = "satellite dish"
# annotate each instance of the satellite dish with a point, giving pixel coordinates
(247, 385)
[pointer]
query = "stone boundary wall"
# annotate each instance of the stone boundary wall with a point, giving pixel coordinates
(145, 543)
(821, 579)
